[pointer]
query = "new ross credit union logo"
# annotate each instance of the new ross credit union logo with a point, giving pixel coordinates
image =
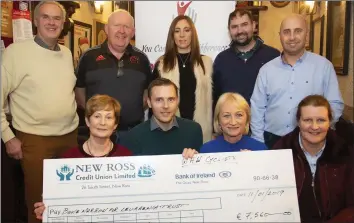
(146, 171)
(65, 172)
(104, 171)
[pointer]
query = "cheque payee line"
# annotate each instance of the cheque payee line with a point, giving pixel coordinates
(181, 210)
(184, 210)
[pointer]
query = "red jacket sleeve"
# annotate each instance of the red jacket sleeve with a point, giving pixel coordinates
(347, 214)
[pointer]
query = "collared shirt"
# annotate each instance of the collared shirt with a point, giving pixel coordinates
(246, 55)
(100, 72)
(154, 125)
(312, 160)
(280, 87)
(40, 42)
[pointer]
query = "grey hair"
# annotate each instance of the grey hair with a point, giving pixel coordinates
(36, 9)
(121, 10)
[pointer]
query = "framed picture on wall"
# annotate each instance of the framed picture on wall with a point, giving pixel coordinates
(308, 35)
(338, 35)
(126, 5)
(301, 8)
(317, 33)
(99, 35)
(68, 40)
(81, 40)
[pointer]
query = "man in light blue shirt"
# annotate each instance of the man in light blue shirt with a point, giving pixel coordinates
(284, 81)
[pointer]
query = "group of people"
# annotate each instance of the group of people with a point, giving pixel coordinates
(196, 105)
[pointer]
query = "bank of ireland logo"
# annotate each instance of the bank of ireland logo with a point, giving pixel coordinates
(65, 172)
(182, 7)
(146, 171)
(225, 174)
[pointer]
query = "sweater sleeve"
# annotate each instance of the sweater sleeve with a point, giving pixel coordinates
(259, 146)
(208, 146)
(9, 82)
(130, 140)
(346, 214)
(198, 138)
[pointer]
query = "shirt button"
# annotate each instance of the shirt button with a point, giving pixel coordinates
(293, 69)
(307, 82)
(291, 97)
(287, 126)
(292, 82)
(289, 113)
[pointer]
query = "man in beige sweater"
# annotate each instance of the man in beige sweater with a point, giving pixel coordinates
(38, 78)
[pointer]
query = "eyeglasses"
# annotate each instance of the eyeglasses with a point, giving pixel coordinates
(120, 72)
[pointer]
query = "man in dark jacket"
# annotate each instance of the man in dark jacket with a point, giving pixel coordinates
(236, 69)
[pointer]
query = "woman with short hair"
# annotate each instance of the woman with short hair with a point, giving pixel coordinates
(231, 124)
(102, 114)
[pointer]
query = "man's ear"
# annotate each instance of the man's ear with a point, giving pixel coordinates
(133, 32)
(62, 25)
(35, 22)
(254, 24)
(148, 102)
(106, 29)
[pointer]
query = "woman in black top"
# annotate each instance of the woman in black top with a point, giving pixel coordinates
(183, 64)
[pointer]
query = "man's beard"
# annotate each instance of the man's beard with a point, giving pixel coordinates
(245, 43)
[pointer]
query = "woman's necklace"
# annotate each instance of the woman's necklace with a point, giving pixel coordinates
(183, 62)
(89, 150)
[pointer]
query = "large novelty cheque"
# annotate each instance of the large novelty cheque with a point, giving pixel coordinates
(231, 187)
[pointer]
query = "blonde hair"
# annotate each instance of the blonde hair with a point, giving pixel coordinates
(240, 103)
(100, 102)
